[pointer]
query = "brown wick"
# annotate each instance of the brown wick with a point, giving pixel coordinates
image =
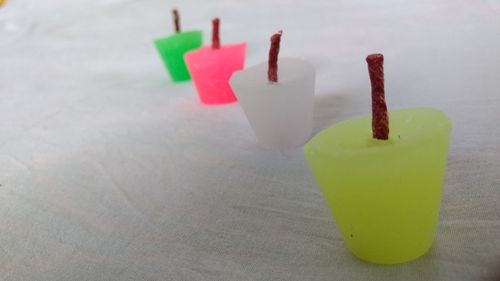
(215, 34)
(380, 121)
(175, 13)
(272, 70)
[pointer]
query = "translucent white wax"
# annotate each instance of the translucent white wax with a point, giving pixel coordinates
(279, 113)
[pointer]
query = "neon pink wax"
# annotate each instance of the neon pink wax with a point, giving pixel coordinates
(211, 70)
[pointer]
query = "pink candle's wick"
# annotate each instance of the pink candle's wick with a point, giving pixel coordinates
(175, 14)
(272, 70)
(380, 120)
(215, 34)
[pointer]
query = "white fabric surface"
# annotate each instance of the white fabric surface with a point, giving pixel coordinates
(111, 172)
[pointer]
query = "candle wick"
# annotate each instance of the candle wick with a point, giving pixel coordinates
(175, 14)
(272, 70)
(380, 120)
(215, 34)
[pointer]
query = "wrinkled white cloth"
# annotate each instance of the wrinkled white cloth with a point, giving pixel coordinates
(109, 171)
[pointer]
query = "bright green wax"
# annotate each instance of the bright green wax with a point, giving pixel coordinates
(384, 195)
(172, 50)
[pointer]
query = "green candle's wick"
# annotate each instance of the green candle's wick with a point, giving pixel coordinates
(175, 14)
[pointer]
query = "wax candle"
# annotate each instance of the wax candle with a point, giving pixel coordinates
(173, 48)
(211, 68)
(383, 186)
(279, 108)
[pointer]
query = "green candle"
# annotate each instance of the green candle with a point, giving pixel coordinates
(384, 192)
(173, 48)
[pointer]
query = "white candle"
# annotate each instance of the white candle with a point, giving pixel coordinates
(280, 113)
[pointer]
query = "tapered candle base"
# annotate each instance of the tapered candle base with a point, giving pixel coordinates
(211, 70)
(280, 113)
(172, 50)
(384, 194)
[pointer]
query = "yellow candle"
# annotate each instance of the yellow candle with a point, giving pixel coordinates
(384, 194)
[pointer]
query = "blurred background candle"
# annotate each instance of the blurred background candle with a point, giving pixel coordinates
(173, 48)
(279, 108)
(383, 186)
(211, 67)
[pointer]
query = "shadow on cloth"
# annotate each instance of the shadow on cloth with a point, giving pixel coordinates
(327, 110)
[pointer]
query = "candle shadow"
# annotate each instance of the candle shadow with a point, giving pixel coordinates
(328, 107)
(426, 266)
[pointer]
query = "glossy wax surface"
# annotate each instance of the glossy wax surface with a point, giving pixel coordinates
(211, 70)
(384, 195)
(280, 113)
(172, 50)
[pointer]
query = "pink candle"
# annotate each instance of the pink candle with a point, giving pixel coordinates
(211, 67)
